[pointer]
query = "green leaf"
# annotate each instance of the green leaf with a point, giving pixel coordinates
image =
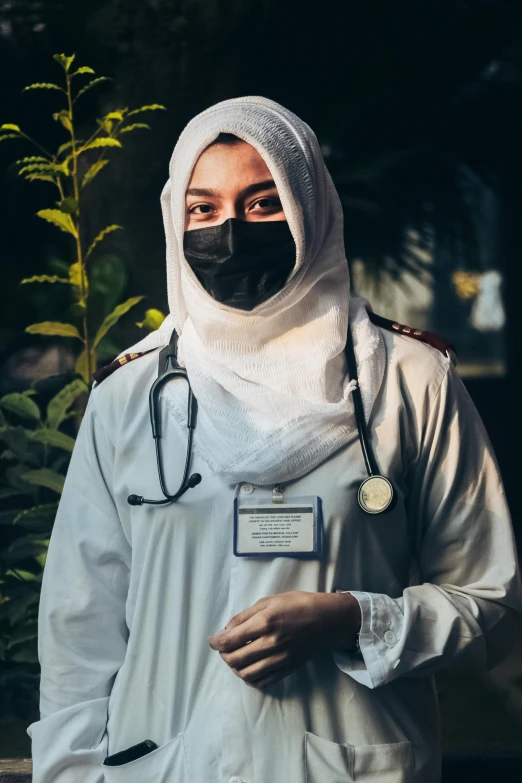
(153, 319)
(26, 576)
(59, 405)
(69, 205)
(76, 271)
(44, 279)
(54, 328)
(128, 128)
(42, 177)
(8, 517)
(23, 548)
(60, 219)
(38, 519)
(23, 634)
(92, 171)
(107, 141)
(45, 478)
(108, 278)
(98, 239)
(41, 558)
(33, 159)
(10, 126)
(8, 492)
(118, 114)
(64, 61)
(10, 136)
(152, 107)
(83, 69)
(53, 438)
(16, 440)
(113, 317)
(75, 278)
(43, 86)
(66, 145)
(15, 610)
(51, 168)
(20, 404)
(90, 84)
(64, 117)
(13, 475)
(82, 365)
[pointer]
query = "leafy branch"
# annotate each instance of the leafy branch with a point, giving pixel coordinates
(62, 169)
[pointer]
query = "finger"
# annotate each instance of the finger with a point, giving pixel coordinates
(238, 619)
(269, 679)
(256, 626)
(247, 613)
(251, 652)
(261, 669)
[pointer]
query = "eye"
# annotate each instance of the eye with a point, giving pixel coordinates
(268, 202)
(206, 207)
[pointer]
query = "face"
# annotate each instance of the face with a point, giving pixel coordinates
(231, 180)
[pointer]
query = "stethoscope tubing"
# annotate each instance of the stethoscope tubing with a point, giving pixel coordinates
(174, 370)
(369, 459)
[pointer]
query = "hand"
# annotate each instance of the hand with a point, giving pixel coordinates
(277, 634)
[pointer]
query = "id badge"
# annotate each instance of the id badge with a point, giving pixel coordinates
(284, 529)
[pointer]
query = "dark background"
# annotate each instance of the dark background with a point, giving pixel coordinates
(400, 94)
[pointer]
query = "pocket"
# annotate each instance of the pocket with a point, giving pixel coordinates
(330, 762)
(165, 764)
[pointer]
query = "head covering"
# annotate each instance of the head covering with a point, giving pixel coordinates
(271, 383)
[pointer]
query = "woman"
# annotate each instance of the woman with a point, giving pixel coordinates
(324, 671)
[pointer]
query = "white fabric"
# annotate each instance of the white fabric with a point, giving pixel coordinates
(273, 392)
(130, 595)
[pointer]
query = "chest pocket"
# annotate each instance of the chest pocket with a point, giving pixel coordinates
(165, 764)
(329, 762)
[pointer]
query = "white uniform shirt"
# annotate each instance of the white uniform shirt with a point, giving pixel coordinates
(130, 595)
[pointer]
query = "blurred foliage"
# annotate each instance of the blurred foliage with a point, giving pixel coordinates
(36, 446)
(37, 452)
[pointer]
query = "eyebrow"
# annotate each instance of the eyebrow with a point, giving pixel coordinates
(248, 191)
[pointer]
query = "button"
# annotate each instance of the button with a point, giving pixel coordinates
(389, 638)
(235, 778)
(246, 489)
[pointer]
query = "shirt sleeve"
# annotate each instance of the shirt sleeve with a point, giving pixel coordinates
(466, 611)
(82, 630)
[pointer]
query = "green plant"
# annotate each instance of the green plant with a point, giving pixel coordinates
(36, 445)
(63, 170)
(36, 452)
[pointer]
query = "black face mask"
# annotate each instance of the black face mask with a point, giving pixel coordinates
(240, 263)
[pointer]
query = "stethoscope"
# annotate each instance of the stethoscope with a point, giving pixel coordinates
(375, 493)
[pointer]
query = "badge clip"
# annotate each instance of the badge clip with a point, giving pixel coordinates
(278, 494)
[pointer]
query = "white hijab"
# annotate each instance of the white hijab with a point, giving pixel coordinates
(272, 386)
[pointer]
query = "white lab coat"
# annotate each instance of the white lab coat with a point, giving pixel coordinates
(130, 595)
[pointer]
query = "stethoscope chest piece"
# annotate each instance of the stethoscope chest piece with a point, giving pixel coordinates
(375, 494)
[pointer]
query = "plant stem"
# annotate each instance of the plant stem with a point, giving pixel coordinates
(79, 255)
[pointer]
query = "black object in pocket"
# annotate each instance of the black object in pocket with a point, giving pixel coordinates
(130, 754)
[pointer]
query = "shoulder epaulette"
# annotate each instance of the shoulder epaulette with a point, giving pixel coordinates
(431, 338)
(104, 372)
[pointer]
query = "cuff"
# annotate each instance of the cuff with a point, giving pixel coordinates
(381, 630)
(70, 744)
